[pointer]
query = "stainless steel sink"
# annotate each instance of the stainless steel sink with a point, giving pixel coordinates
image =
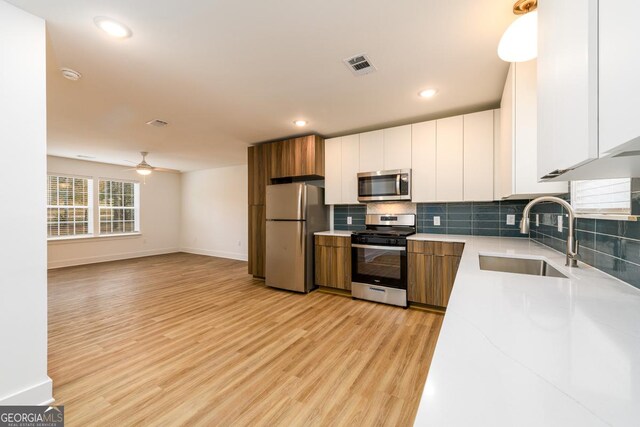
(535, 267)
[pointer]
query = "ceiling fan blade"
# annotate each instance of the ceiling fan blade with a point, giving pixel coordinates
(127, 170)
(166, 170)
(133, 163)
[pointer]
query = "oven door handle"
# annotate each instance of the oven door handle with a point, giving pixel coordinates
(384, 248)
(398, 184)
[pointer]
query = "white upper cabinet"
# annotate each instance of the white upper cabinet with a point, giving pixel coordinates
(371, 151)
(397, 147)
(423, 161)
(619, 82)
(333, 171)
(588, 87)
(449, 159)
(350, 163)
(341, 170)
(516, 153)
(478, 156)
(567, 84)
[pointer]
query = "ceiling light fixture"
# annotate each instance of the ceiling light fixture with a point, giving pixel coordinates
(70, 74)
(519, 43)
(427, 93)
(300, 123)
(111, 27)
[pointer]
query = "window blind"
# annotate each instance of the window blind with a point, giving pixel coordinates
(69, 211)
(118, 206)
(602, 196)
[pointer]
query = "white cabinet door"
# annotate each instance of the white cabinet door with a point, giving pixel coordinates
(517, 153)
(333, 171)
(423, 162)
(619, 80)
(397, 147)
(504, 176)
(567, 84)
(371, 151)
(525, 127)
(449, 159)
(350, 165)
(478, 156)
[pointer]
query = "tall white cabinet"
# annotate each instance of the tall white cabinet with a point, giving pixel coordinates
(516, 152)
(478, 156)
(449, 160)
(423, 159)
(588, 87)
(619, 76)
(341, 169)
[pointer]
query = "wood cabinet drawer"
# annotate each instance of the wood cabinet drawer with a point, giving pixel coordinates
(435, 248)
(335, 241)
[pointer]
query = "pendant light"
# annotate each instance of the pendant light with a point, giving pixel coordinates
(519, 42)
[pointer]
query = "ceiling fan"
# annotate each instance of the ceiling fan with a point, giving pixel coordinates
(144, 168)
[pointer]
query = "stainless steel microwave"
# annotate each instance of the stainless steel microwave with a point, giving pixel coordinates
(383, 186)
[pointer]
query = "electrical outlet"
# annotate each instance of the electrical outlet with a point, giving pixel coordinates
(349, 220)
(511, 219)
(239, 243)
(436, 220)
(537, 220)
(560, 223)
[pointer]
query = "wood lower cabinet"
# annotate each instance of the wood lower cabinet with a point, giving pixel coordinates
(432, 268)
(333, 262)
(257, 239)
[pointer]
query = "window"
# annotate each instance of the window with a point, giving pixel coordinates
(118, 205)
(69, 206)
(602, 196)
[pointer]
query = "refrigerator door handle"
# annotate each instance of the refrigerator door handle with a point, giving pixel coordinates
(301, 225)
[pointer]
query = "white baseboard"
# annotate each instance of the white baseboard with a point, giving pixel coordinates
(220, 254)
(110, 257)
(38, 394)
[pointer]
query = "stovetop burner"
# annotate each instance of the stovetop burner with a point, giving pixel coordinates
(386, 229)
(378, 232)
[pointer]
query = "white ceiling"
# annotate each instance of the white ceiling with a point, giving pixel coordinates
(228, 73)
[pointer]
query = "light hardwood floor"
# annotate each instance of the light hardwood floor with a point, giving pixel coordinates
(187, 339)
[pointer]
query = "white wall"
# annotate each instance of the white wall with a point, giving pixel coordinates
(159, 217)
(23, 262)
(214, 212)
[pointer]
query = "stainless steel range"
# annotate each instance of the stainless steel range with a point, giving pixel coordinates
(379, 259)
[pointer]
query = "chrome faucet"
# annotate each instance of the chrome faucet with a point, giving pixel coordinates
(572, 243)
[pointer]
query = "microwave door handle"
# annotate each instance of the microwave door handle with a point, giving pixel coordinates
(398, 184)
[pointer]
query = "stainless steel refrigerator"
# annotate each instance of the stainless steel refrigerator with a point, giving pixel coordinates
(294, 212)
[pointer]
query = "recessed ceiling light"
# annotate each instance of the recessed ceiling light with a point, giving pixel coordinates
(300, 123)
(427, 93)
(111, 27)
(70, 74)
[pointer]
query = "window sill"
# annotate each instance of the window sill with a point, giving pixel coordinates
(612, 217)
(91, 237)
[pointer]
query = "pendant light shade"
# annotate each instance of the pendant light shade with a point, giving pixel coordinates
(519, 42)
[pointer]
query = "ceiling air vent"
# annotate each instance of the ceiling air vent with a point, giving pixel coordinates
(157, 123)
(360, 64)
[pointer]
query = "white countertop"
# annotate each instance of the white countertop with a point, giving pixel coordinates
(342, 233)
(518, 350)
